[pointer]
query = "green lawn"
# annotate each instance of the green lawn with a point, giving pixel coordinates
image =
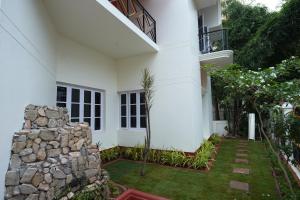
(185, 184)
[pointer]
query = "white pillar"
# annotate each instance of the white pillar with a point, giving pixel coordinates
(251, 126)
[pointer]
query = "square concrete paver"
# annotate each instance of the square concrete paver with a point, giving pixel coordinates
(239, 160)
(242, 155)
(239, 186)
(242, 147)
(242, 150)
(241, 171)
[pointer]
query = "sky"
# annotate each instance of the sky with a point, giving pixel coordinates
(272, 5)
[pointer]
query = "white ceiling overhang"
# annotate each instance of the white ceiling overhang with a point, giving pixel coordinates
(99, 25)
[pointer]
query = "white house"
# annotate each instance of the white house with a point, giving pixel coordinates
(89, 56)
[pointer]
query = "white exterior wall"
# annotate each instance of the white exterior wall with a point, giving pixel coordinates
(212, 15)
(83, 66)
(27, 63)
(176, 116)
(33, 58)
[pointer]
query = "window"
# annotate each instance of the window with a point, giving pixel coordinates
(85, 105)
(133, 110)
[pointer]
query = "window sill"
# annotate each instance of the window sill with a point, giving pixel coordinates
(136, 130)
(97, 131)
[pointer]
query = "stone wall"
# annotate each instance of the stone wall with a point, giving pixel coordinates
(50, 155)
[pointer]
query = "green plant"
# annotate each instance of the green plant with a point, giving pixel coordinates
(147, 85)
(114, 189)
(294, 128)
(200, 160)
(203, 155)
(93, 193)
(110, 154)
(134, 153)
(155, 156)
(208, 147)
(279, 175)
(215, 138)
(173, 158)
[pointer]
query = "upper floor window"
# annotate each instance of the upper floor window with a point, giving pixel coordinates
(133, 110)
(85, 105)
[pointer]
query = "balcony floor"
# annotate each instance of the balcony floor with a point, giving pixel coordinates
(218, 58)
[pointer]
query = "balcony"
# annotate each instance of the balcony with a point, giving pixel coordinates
(213, 41)
(214, 47)
(99, 25)
(135, 11)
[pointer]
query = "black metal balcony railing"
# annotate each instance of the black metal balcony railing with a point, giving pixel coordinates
(213, 41)
(135, 11)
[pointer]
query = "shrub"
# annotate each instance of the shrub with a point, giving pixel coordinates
(173, 158)
(200, 160)
(110, 154)
(95, 193)
(207, 147)
(155, 156)
(134, 153)
(215, 138)
(203, 155)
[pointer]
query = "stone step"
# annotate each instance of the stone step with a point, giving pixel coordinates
(239, 186)
(241, 155)
(240, 160)
(241, 171)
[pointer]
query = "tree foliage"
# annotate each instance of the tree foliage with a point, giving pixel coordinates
(263, 91)
(267, 86)
(243, 22)
(276, 40)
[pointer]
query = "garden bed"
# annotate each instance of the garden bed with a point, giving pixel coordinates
(201, 160)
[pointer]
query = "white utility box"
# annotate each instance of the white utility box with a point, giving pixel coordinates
(251, 126)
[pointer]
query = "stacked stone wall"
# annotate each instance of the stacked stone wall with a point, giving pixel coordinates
(50, 155)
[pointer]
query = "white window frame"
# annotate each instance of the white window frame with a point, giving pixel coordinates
(81, 103)
(128, 111)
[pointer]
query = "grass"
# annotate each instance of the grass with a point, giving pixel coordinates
(185, 184)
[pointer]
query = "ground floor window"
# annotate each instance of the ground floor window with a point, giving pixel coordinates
(132, 110)
(84, 104)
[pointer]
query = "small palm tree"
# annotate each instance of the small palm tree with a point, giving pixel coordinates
(147, 85)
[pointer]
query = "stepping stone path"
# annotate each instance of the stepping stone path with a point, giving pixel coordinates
(241, 160)
(239, 186)
(241, 171)
(241, 155)
(242, 151)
